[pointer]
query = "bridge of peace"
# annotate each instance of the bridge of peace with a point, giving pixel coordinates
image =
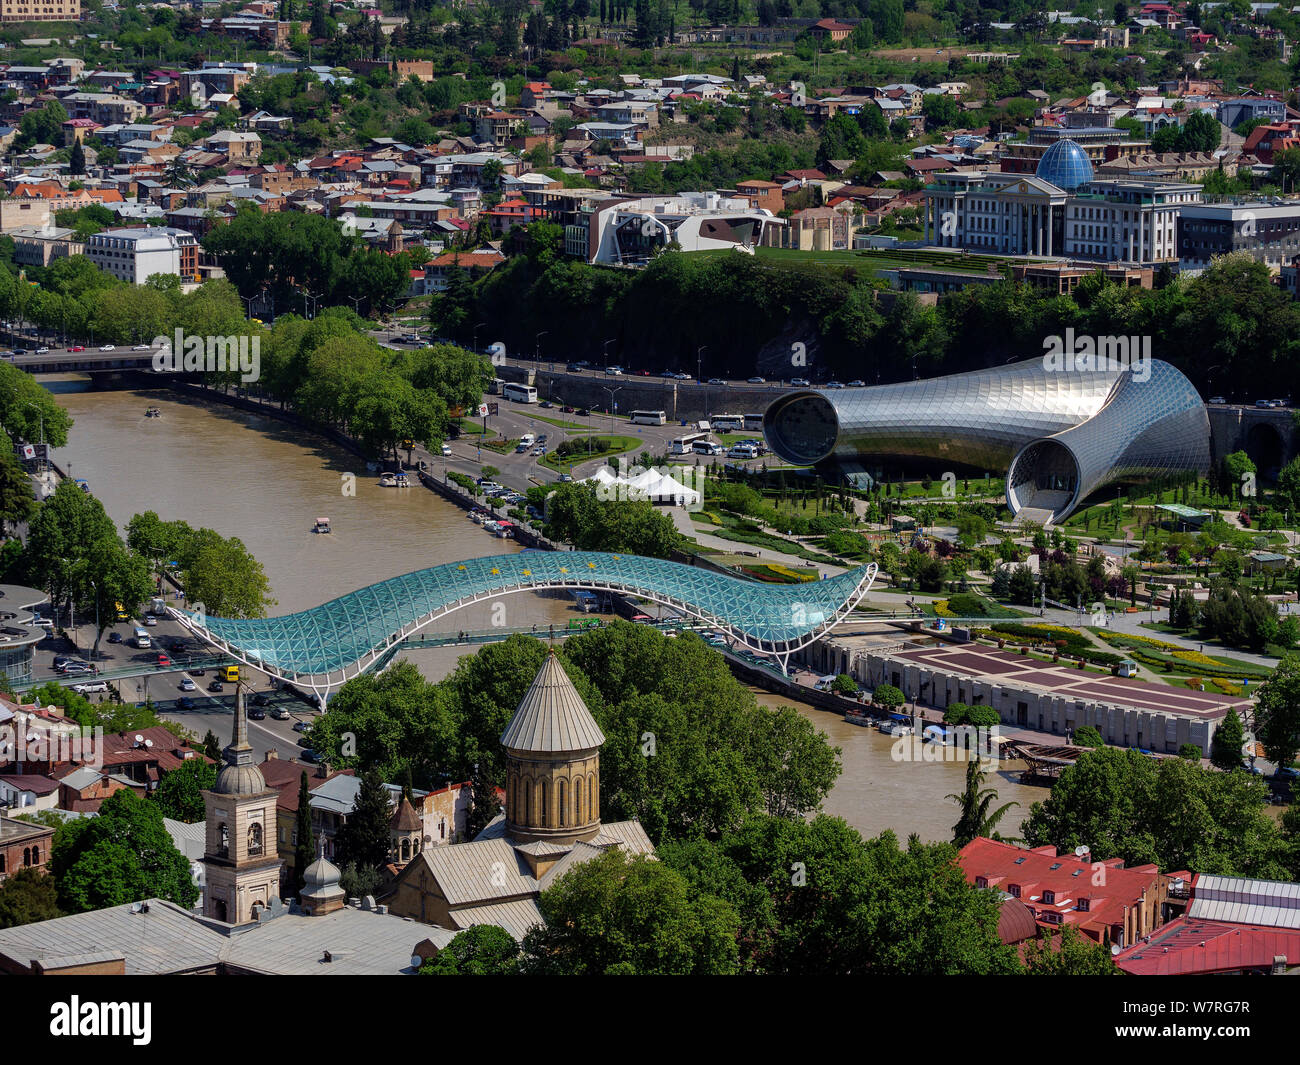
(322, 648)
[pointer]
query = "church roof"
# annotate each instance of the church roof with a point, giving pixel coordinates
(552, 717)
(405, 819)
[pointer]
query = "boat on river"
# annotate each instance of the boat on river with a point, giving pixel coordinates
(153, 412)
(387, 480)
(322, 525)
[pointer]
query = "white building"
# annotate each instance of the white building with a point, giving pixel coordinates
(135, 255)
(629, 232)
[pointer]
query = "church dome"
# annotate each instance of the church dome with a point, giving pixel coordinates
(1065, 165)
(321, 875)
(240, 780)
(552, 718)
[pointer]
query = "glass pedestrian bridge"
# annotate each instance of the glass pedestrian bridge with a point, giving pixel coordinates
(325, 646)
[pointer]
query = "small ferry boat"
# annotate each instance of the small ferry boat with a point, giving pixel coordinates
(322, 525)
(858, 715)
(477, 515)
(897, 728)
(153, 412)
(400, 480)
(491, 526)
(387, 480)
(504, 529)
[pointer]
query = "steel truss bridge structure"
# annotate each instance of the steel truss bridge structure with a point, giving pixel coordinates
(322, 648)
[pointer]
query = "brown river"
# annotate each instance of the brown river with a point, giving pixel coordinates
(250, 476)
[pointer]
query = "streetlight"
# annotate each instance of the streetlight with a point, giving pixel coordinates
(537, 348)
(476, 329)
(611, 392)
(96, 589)
(605, 350)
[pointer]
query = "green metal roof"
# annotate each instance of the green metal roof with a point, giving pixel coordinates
(352, 632)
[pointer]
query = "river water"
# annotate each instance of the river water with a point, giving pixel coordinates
(250, 476)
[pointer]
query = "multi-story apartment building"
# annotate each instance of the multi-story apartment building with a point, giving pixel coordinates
(135, 255)
(40, 10)
(1126, 221)
(1268, 232)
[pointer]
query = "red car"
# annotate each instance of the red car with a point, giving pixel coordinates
(163, 660)
(78, 347)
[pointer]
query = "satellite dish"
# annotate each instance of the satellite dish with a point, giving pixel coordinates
(139, 738)
(1081, 850)
(1115, 948)
(416, 961)
(136, 907)
(148, 743)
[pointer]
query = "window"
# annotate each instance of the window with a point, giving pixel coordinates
(1085, 905)
(406, 850)
(254, 839)
(1013, 890)
(223, 841)
(577, 800)
(1049, 897)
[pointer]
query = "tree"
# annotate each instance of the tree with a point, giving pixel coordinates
(481, 950)
(304, 847)
(841, 138)
(77, 161)
(211, 745)
(122, 855)
(26, 896)
(179, 793)
(17, 501)
(1172, 813)
(630, 915)
(1088, 736)
(975, 802)
(363, 839)
(221, 574)
(888, 696)
(1277, 712)
(1069, 954)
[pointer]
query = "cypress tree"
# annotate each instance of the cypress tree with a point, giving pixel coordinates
(304, 851)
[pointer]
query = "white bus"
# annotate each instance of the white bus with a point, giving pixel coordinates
(649, 417)
(726, 423)
(683, 444)
(519, 393)
(753, 423)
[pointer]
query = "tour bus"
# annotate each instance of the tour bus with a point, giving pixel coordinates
(726, 423)
(649, 417)
(494, 389)
(683, 444)
(753, 423)
(142, 638)
(519, 393)
(707, 447)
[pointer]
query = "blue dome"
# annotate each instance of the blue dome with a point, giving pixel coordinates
(1065, 165)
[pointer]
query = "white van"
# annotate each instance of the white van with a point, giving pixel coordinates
(90, 687)
(706, 447)
(527, 440)
(142, 638)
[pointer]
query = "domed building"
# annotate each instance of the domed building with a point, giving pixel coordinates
(551, 821)
(241, 865)
(321, 893)
(1066, 165)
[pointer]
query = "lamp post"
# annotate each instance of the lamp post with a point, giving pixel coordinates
(611, 392)
(537, 348)
(476, 329)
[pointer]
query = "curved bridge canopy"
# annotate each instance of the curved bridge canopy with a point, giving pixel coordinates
(330, 643)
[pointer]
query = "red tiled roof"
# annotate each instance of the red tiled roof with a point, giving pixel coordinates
(1068, 877)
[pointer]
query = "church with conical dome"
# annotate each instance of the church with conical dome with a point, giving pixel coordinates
(550, 823)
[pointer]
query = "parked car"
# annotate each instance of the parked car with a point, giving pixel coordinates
(567, 410)
(310, 756)
(716, 381)
(301, 726)
(572, 367)
(92, 687)
(758, 381)
(834, 384)
(583, 412)
(260, 699)
(1217, 399)
(801, 382)
(565, 478)
(114, 637)
(546, 404)
(856, 383)
(280, 714)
